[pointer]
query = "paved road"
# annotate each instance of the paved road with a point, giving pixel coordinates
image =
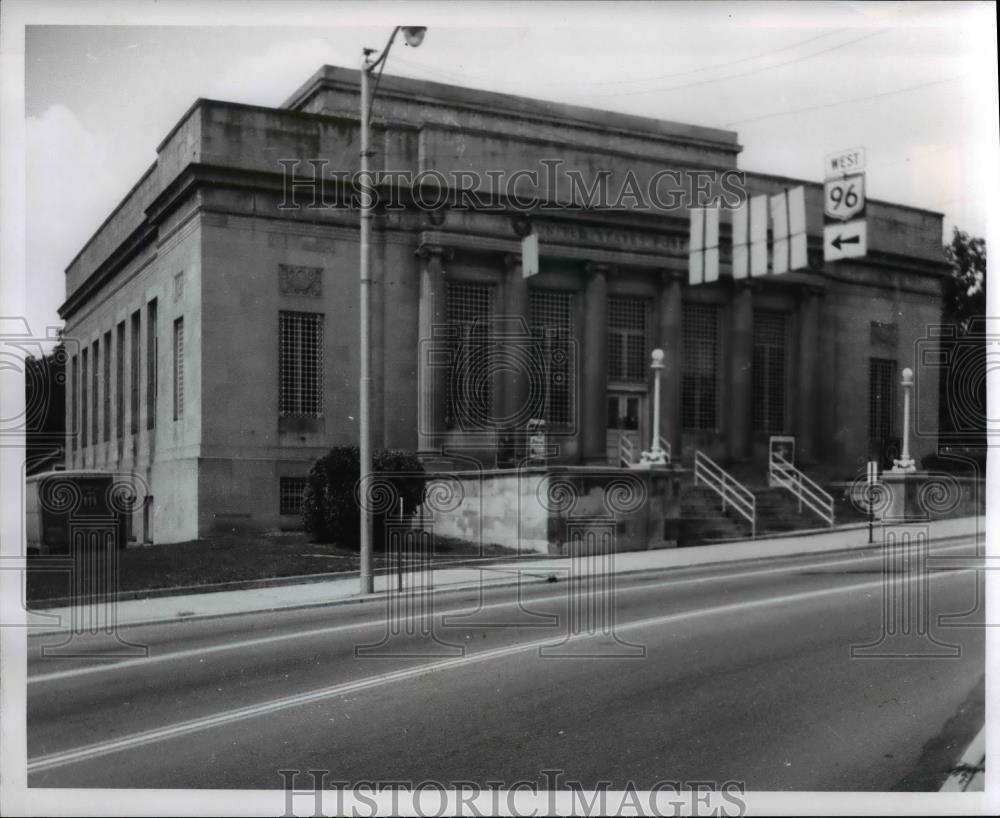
(734, 672)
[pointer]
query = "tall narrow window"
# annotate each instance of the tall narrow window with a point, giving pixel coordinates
(300, 364)
(120, 380)
(699, 380)
(136, 352)
(551, 317)
(627, 356)
(95, 393)
(74, 401)
(84, 401)
(881, 398)
(107, 386)
(178, 368)
(151, 364)
(699, 377)
(469, 385)
(769, 333)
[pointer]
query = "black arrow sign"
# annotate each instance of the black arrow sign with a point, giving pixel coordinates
(841, 240)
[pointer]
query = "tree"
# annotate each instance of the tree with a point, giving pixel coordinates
(962, 405)
(965, 287)
(45, 410)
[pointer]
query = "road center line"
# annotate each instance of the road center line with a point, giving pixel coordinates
(227, 717)
(192, 653)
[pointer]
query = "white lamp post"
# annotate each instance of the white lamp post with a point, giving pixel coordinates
(905, 462)
(656, 456)
(414, 35)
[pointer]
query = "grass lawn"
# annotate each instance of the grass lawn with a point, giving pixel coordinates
(233, 558)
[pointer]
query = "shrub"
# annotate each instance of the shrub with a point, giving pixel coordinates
(330, 502)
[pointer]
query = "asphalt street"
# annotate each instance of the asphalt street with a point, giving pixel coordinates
(826, 672)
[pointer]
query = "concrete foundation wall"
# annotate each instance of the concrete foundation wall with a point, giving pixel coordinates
(543, 510)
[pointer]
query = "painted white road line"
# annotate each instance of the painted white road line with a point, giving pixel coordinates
(227, 717)
(192, 653)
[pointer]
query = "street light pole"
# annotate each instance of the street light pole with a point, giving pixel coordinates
(364, 423)
(414, 35)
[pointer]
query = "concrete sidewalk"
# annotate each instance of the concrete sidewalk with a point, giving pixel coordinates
(345, 591)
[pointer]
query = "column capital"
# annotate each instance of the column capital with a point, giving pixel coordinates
(426, 252)
(746, 285)
(593, 269)
(668, 277)
(511, 261)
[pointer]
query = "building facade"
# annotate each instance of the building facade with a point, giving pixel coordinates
(216, 311)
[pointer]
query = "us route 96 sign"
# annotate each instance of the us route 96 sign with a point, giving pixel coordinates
(844, 198)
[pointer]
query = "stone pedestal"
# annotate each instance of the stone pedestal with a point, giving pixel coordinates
(904, 495)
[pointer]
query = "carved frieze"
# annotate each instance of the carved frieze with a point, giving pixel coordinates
(294, 279)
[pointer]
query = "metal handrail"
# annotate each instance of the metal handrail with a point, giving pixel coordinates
(626, 450)
(808, 492)
(738, 496)
(666, 448)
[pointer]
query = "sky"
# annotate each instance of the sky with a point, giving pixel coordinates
(914, 84)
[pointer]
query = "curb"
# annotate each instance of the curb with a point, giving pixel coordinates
(969, 774)
(267, 582)
(382, 596)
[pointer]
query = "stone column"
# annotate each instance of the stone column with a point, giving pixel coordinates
(671, 342)
(741, 374)
(807, 418)
(432, 354)
(594, 365)
(516, 387)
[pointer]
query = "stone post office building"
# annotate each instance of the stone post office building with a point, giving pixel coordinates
(216, 309)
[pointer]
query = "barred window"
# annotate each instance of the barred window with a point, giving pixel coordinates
(551, 315)
(627, 354)
(120, 381)
(107, 385)
(300, 364)
(84, 414)
(95, 395)
(881, 398)
(136, 351)
(74, 392)
(178, 368)
(699, 379)
(470, 311)
(151, 350)
(290, 490)
(769, 340)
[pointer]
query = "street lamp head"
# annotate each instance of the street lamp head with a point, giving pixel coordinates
(657, 357)
(907, 376)
(414, 35)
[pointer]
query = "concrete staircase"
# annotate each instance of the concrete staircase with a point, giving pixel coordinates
(703, 521)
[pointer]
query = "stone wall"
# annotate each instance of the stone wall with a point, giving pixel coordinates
(543, 509)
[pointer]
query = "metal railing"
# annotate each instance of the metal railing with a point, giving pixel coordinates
(666, 448)
(808, 492)
(626, 450)
(733, 493)
(627, 454)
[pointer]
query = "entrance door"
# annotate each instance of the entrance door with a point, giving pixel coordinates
(626, 426)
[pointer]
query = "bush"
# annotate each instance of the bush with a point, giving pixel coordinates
(330, 503)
